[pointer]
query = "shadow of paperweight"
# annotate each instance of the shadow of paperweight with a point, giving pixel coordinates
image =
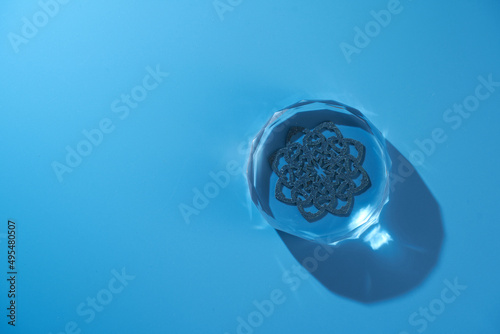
(391, 258)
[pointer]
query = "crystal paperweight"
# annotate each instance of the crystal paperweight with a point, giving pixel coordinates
(319, 170)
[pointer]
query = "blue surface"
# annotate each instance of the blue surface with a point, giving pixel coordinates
(118, 213)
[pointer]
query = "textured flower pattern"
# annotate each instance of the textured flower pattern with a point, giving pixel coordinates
(320, 171)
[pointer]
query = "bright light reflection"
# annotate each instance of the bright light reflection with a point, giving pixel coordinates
(360, 217)
(377, 238)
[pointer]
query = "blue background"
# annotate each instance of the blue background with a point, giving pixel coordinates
(120, 208)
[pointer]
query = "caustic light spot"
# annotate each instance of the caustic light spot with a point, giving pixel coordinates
(377, 238)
